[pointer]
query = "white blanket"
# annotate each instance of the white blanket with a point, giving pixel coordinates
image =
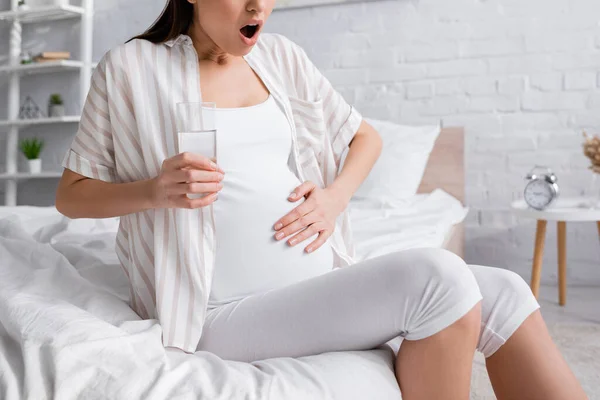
(66, 333)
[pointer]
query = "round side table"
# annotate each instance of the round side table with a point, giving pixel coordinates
(563, 211)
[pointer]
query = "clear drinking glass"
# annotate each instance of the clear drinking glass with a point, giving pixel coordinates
(197, 131)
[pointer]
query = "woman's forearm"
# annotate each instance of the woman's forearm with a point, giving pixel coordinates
(362, 155)
(90, 198)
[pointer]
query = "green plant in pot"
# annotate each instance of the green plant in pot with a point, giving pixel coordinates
(31, 149)
(56, 107)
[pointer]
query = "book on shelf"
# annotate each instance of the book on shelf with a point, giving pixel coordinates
(55, 55)
(47, 60)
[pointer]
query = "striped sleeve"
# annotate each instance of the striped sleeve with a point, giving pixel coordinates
(92, 152)
(342, 120)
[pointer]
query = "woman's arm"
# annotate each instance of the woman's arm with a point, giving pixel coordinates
(81, 197)
(364, 151)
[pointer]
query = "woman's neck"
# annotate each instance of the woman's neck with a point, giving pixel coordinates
(207, 49)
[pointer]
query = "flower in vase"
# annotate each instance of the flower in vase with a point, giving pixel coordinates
(591, 149)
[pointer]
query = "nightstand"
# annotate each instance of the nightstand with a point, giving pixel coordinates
(563, 211)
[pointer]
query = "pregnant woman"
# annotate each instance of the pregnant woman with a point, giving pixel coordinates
(250, 271)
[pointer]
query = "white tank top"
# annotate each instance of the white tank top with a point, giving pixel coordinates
(253, 148)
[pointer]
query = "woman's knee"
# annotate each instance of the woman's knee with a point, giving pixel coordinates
(507, 302)
(431, 269)
(501, 287)
(436, 289)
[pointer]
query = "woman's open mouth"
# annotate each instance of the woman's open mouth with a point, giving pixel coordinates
(249, 33)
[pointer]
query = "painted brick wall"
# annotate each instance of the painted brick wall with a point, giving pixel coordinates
(521, 76)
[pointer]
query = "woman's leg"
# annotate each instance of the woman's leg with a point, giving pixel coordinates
(529, 366)
(426, 295)
(449, 366)
(522, 360)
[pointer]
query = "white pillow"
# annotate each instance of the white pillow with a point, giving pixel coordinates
(399, 170)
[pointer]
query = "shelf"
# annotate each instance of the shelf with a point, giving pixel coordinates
(43, 68)
(41, 121)
(41, 14)
(26, 175)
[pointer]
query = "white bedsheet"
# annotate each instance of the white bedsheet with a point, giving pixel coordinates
(66, 331)
(425, 220)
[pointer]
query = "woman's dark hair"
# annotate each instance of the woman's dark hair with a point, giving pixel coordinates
(175, 19)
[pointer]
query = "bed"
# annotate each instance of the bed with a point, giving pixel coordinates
(66, 331)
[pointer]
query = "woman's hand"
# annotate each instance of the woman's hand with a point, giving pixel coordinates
(317, 214)
(187, 173)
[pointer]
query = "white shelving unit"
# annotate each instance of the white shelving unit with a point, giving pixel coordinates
(15, 71)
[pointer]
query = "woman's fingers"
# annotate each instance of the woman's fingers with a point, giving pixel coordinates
(318, 242)
(294, 215)
(197, 188)
(307, 233)
(302, 191)
(185, 202)
(192, 160)
(296, 226)
(195, 175)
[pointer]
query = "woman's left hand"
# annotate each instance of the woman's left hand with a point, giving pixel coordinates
(316, 215)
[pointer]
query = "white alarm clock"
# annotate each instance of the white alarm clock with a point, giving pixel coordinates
(542, 189)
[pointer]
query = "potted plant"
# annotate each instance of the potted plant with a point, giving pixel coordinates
(31, 149)
(56, 107)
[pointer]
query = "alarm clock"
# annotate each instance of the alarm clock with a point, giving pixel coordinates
(542, 189)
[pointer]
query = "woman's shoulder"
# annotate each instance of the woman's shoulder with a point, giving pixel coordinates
(119, 58)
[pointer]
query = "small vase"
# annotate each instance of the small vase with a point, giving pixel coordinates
(56, 111)
(592, 193)
(35, 166)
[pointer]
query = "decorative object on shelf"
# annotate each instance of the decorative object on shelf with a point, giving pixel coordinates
(31, 149)
(22, 6)
(591, 149)
(49, 56)
(56, 106)
(26, 58)
(542, 190)
(30, 110)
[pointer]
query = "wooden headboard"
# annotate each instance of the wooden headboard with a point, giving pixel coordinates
(446, 170)
(446, 166)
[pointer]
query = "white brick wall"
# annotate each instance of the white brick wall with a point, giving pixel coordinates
(523, 78)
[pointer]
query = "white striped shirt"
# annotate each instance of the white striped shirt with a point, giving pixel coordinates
(128, 129)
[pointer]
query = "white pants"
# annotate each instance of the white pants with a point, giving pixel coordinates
(412, 294)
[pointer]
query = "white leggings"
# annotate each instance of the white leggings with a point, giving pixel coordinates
(412, 294)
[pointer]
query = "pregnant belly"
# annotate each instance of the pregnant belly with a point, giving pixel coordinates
(249, 260)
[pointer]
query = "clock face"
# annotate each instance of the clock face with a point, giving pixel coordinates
(539, 194)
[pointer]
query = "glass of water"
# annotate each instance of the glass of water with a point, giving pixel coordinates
(197, 131)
